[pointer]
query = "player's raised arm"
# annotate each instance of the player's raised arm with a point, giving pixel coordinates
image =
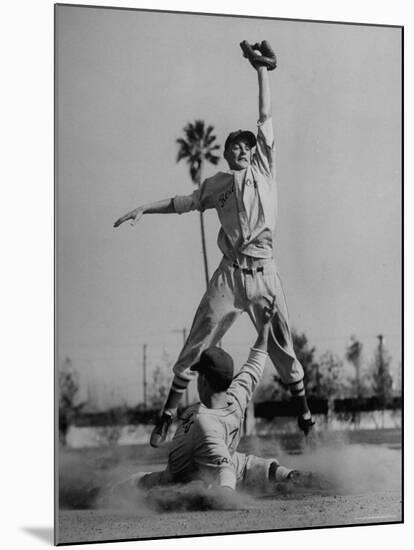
(268, 313)
(265, 101)
(246, 380)
(263, 59)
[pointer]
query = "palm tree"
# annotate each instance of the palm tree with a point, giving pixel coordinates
(197, 147)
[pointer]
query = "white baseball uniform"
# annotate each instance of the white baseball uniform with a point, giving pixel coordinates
(246, 203)
(204, 445)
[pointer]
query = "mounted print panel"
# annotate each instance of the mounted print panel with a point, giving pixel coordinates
(228, 274)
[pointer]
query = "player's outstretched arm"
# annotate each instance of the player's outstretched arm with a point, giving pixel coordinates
(165, 206)
(263, 336)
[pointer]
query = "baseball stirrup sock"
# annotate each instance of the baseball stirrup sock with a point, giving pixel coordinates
(297, 389)
(179, 384)
(178, 388)
(277, 472)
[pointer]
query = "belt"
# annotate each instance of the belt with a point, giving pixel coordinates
(249, 271)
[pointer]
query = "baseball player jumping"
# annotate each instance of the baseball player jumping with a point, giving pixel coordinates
(204, 447)
(245, 198)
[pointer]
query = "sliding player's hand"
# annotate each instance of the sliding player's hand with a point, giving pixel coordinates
(269, 310)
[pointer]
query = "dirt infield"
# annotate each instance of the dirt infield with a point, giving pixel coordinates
(361, 485)
(274, 514)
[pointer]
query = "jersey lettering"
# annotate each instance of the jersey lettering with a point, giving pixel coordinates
(224, 196)
(187, 423)
(222, 460)
(232, 436)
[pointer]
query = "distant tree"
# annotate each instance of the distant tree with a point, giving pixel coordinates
(398, 381)
(364, 385)
(381, 376)
(353, 354)
(116, 418)
(324, 376)
(272, 390)
(160, 383)
(277, 391)
(68, 382)
(197, 147)
(332, 382)
(306, 356)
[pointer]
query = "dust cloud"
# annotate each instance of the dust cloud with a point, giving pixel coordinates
(82, 486)
(355, 468)
(327, 468)
(172, 498)
(344, 468)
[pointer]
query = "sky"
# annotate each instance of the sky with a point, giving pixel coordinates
(127, 83)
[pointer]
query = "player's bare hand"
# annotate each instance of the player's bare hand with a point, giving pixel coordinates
(269, 310)
(133, 217)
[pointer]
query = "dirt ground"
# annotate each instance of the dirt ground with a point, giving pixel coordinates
(356, 479)
(267, 515)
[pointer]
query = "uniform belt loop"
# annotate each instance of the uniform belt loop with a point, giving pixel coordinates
(248, 270)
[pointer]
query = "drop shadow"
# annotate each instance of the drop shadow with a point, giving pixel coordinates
(43, 533)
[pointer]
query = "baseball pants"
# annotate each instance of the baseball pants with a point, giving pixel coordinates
(252, 473)
(232, 291)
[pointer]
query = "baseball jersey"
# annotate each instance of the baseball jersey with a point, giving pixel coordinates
(245, 201)
(206, 438)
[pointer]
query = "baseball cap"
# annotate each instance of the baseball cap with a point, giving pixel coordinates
(217, 367)
(241, 134)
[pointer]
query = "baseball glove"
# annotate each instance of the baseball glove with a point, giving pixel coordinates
(259, 54)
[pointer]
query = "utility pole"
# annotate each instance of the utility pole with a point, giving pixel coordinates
(144, 372)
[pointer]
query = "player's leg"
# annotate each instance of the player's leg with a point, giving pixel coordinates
(280, 344)
(217, 311)
(214, 316)
(292, 374)
(256, 474)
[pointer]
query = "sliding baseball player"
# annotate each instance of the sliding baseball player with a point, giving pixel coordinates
(204, 447)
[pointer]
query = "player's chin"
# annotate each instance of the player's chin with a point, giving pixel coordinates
(242, 164)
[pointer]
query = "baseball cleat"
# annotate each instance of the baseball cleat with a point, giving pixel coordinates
(285, 474)
(160, 432)
(305, 424)
(278, 473)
